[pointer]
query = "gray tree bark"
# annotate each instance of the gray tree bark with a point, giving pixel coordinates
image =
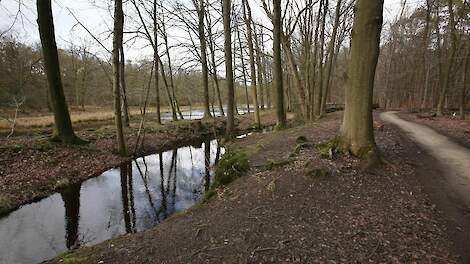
(357, 134)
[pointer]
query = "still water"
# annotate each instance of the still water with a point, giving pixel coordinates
(134, 197)
(199, 114)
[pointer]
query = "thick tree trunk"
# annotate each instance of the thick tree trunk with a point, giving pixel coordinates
(356, 134)
(63, 130)
(247, 18)
(205, 72)
(277, 66)
(226, 10)
(117, 42)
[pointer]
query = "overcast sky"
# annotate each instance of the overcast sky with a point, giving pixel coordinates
(96, 17)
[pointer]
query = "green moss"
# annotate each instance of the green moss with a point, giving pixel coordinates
(61, 183)
(329, 148)
(301, 139)
(299, 147)
(364, 152)
(5, 204)
(271, 164)
(69, 258)
(233, 165)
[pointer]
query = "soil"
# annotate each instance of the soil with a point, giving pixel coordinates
(32, 167)
(308, 209)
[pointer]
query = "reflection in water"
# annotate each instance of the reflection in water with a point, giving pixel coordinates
(199, 114)
(71, 198)
(128, 199)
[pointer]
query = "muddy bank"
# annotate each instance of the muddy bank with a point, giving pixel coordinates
(295, 206)
(32, 167)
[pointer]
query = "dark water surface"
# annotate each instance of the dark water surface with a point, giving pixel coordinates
(132, 198)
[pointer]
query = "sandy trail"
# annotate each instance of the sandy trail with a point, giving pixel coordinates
(454, 158)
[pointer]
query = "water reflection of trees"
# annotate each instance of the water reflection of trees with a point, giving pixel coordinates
(163, 202)
(71, 198)
(127, 193)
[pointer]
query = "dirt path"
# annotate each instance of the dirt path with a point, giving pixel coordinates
(445, 174)
(454, 157)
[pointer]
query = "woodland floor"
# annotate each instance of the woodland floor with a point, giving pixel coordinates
(32, 167)
(306, 210)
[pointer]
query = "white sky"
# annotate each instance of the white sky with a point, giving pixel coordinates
(96, 17)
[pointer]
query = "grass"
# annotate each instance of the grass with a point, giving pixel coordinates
(39, 120)
(69, 258)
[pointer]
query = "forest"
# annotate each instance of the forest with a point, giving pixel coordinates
(234, 131)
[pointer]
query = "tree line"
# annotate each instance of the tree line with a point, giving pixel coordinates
(321, 51)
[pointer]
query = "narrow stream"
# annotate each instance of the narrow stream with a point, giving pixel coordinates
(132, 198)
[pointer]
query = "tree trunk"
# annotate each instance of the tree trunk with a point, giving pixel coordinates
(226, 10)
(424, 54)
(329, 63)
(123, 86)
(117, 42)
(319, 95)
(155, 62)
(464, 84)
(277, 66)
(259, 69)
(205, 75)
(214, 64)
(295, 74)
(314, 85)
(448, 66)
(247, 18)
(357, 134)
(243, 71)
(63, 130)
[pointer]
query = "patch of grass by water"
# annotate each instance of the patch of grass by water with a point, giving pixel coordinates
(233, 165)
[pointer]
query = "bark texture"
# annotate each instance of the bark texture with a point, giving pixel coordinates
(63, 130)
(117, 43)
(357, 135)
(277, 67)
(226, 10)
